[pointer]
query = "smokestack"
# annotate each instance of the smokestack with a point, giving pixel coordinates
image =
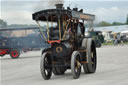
(59, 6)
(75, 9)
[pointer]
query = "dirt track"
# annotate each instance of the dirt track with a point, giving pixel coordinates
(112, 69)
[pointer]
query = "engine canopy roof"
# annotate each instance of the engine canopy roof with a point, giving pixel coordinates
(54, 14)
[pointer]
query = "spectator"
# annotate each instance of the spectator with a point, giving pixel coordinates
(122, 40)
(115, 41)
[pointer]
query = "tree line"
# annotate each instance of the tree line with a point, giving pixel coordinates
(104, 23)
(4, 24)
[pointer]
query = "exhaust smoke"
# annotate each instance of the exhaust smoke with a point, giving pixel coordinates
(47, 4)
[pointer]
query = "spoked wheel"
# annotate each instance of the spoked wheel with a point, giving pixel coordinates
(76, 64)
(98, 43)
(14, 53)
(1, 55)
(93, 59)
(46, 66)
(90, 66)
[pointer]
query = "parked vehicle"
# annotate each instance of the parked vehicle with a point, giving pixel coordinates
(124, 35)
(13, 41)
(97, 37)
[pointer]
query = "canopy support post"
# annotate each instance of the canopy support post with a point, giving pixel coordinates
(41, 31)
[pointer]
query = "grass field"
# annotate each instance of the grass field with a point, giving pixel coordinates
(111, 43)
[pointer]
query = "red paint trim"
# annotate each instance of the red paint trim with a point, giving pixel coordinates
(3, 51)
(54, 41)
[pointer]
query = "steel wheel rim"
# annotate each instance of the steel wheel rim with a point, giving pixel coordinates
(47, 69)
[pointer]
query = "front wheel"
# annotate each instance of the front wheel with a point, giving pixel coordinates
(98, 44)
(46, 66)
(76, 64)
(14, 53)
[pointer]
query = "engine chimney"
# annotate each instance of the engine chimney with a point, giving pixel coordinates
(59, 6)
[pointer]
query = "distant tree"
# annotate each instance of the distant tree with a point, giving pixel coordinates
(21, 25)
(127, 20)
(3, 23)
(103, 23)
(117, 23)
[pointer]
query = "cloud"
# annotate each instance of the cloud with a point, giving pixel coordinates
(20, 12)
(115, 8)
(113, 14)
(17, 17)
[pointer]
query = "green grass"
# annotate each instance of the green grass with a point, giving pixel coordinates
(111, 43)
(126, 43)
(107, 43)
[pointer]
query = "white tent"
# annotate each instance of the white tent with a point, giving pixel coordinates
(112, 28)
(126, 31)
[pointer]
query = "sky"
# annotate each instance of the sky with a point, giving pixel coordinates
(20, 11)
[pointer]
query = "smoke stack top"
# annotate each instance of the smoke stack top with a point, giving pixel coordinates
(59, 6)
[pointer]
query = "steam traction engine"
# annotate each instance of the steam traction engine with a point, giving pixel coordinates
(70, 49)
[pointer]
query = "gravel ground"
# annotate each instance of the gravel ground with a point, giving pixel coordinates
(112, 69)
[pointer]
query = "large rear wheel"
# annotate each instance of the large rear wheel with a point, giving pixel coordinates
(46, 66)
(76, 64)
(90, 66)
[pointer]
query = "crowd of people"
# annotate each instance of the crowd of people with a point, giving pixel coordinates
(120, 40)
